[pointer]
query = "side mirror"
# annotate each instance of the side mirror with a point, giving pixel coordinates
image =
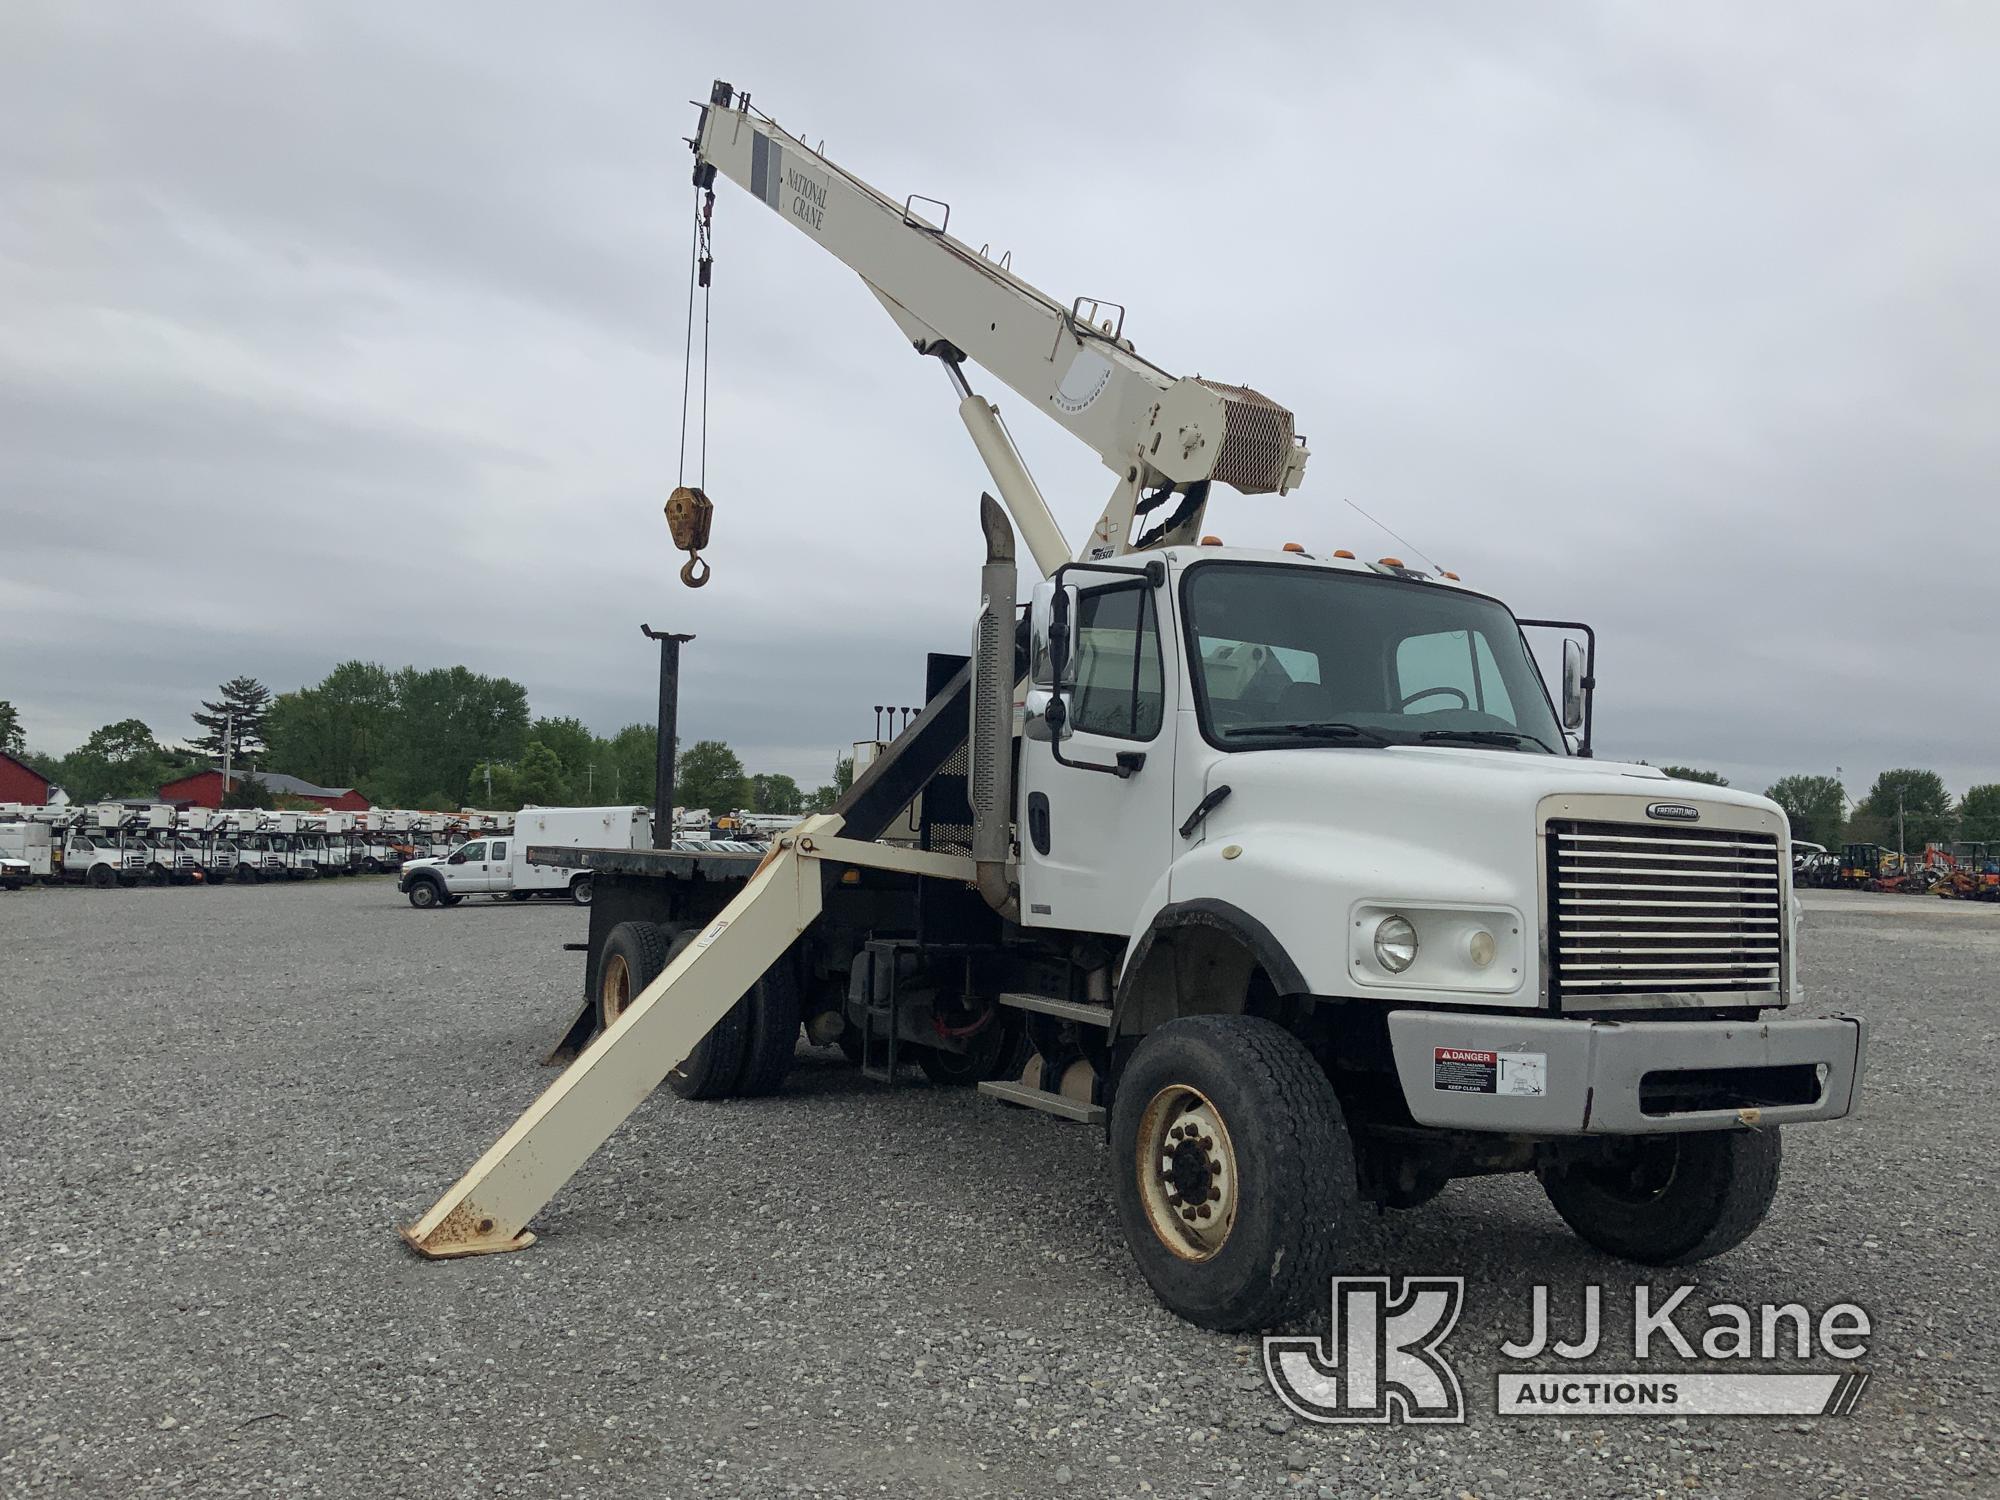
(456, 859)
(1573, 689)
(1059, 636)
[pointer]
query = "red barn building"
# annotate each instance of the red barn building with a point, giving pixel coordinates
(204, 789)
(20, 783)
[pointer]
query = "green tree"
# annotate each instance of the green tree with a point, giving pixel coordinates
(843, 777)
(494, 787)
(773, 792)
(248, 790)
(708, 774)
(241, 709)
(1924, 803)
(448, 720)
(12, 740)
(337, 732)
(118, 760)
(1814, 805)
(1690, 773)
(542, 783)
(1979, 814)
(575, 747)
(627, 765)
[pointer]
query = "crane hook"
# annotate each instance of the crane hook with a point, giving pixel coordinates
(688, 514)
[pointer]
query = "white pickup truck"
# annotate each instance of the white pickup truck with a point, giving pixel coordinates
(498, 865)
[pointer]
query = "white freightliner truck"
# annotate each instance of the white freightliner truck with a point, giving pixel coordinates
(1286, 870)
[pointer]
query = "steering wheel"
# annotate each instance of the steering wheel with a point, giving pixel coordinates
(1432, 692)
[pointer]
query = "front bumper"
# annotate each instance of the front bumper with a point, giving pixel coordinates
(1550, 1076)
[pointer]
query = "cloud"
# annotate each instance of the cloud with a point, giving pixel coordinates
(359, 332)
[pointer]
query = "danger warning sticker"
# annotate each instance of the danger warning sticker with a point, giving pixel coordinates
(1463, 1070)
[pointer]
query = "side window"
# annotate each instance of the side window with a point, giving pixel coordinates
(473, 852)
(1119, 685)
(499, 851)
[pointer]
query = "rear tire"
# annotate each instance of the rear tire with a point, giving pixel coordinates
(579, 890)
(633, 955)
(771, 1035)
(710, 1071)
(1232, 1116)
(1669, 1200)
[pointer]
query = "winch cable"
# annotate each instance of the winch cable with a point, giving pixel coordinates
(688, 509)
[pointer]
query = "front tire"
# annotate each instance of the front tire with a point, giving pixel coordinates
(101, 877)
(1669, 1200)
(424, 895)
(1232, 1171)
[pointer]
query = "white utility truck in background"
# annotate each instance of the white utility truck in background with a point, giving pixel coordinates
(1286, 870)
(27, 848)
(498, 864)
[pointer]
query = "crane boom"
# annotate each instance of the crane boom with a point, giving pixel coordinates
(1161, 434)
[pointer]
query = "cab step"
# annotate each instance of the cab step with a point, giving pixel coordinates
(1047, 1103)
(1065, 1010)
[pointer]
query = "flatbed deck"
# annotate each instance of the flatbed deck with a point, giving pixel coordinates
(714, 864)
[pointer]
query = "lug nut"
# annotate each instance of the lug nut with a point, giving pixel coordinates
(1202, 1212)
(1215, 1195)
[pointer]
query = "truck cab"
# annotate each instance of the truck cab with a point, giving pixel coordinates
(1235, 727)
(102, 854)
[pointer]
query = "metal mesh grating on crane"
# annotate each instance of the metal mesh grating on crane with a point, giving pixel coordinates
(1257, 440)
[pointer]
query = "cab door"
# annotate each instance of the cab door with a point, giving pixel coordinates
(466, 870)
(1097, 795)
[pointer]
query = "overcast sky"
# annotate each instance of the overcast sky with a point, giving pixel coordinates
(356, 330)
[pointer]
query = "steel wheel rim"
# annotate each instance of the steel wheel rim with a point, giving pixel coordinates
(1188, 1181)
(616, 987)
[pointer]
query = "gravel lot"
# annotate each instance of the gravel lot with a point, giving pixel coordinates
(216, 1105)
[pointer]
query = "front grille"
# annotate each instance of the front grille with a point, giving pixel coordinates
(1640, 910)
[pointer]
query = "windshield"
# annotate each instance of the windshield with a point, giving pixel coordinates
(1291, 655)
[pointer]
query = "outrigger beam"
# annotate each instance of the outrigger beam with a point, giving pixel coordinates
(488, 1209)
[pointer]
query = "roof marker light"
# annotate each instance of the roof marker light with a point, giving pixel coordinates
(1343, 552)
(1295, 547)
(1391, 562)
(1452, 576)
(1211, 541)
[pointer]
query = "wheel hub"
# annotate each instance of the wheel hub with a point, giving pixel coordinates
(616, 987)
(1187, 1172)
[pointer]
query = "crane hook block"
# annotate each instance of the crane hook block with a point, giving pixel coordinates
(688, 513)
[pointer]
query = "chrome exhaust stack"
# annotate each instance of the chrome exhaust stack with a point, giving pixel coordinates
(990, 763)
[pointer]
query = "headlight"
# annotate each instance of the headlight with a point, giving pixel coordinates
(1395, 944)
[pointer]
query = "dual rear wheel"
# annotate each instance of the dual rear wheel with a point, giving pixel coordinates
(745, 1054)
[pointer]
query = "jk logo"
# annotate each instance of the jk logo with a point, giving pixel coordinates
(1380, 1361)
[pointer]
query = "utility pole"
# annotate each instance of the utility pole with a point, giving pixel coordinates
(590, 780)
(489, 783)
(670, 709)
(228, 746)
(1901, 857)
